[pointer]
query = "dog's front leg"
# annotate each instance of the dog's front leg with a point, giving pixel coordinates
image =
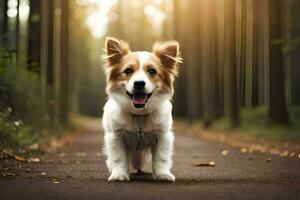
(162, 157)
(117, 160)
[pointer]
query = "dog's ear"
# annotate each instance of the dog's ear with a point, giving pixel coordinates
(168, 53)
(115, 50)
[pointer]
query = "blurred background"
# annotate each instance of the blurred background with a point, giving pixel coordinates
(241, 64)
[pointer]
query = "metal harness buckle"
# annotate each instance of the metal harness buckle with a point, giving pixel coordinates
(140, 136)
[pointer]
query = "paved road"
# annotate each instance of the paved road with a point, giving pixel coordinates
(80, 170)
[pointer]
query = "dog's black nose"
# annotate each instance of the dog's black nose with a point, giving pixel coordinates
(139, 85)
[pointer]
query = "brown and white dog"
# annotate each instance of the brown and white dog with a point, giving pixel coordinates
(137, 117)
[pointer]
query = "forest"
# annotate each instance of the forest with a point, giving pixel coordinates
(241, 61)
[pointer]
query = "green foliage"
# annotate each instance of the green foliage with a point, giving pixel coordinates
(255, 121)
(25, 116)
(288, 44)
(13, 132)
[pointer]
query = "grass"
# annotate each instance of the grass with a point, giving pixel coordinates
(254, 121)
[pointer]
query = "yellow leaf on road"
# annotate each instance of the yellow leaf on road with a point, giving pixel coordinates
(33, 160)
(19, 158)
(268, 159)
(205, 164)
(225, 152)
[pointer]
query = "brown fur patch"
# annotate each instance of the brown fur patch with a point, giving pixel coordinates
(164, 60)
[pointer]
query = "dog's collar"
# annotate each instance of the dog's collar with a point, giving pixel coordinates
(139, 115)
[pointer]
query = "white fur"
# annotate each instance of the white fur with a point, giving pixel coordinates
(141, 75)
(121, 122)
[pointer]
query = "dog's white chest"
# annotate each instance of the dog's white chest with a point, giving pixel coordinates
(139, 140)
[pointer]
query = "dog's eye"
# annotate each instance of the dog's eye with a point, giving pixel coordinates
(152, 71)
(128, 71)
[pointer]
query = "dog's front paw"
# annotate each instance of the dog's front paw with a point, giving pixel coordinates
(164, 176)
(119, 177)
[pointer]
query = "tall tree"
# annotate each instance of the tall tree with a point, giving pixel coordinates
(295, 59)
(207, 74)
(230, 43)
(278, 108)
(3, 23)
(60, 63)
(45, 44)
(241, 48)
(249, 53)
(194, 89)
(256, 31)
(220, 53)
(217, 63)
(180, 96)
(34, 43)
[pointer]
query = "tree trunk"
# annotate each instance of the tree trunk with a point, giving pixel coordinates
(216, 62)
(249, 53)
(180, 95)
(193, 53)
(34, 43)
(256, 30)
(295, 58)
(221, 52)
(3, 23)
(60, 65)
(230, 23)
(45, 44)
(278, 109)
(241, 48)
(208, 83)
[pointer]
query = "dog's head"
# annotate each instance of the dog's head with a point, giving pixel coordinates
(140, 80)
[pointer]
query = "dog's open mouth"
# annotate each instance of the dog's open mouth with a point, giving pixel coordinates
(139, 99)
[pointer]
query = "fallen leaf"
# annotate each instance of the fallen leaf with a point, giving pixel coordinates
(244, 150)
(81, 154)
(274, 151)
(19, 158)
(33, 160)
(268, 159)
(292, 154)
(225, 152)
(34, 146)
(55, 182)
(205, 164)
(284, 154)
(78, 162)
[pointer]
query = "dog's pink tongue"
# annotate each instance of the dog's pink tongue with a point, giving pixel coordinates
(139, 98)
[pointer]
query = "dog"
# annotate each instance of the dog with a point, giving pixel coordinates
(137, 117)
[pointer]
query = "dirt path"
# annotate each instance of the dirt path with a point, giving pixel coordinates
(78, 171)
